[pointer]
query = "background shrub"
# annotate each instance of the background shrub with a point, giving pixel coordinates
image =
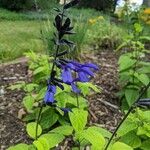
(27, 4)
(102, 5)
(16, 4)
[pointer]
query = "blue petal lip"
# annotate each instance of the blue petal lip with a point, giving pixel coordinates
(66, 76)
(90, 65)
(87, 71)
(71, 66)
(83, 77)
(49, 97)
(52, 88)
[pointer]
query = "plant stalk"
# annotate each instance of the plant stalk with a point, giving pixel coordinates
(52, 69)
(38, 120)
(127, 114)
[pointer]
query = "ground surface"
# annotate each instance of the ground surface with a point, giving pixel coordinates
(103, 110)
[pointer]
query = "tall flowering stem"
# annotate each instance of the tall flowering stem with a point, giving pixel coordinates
(72, 72)
(63, 27)
(51, 74)
(137, 102)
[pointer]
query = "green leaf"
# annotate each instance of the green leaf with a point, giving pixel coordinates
(42, 143)
(82, 102)
(94, 137)
(53, 139)
(78, 118)
(143, 78)
(138, 27)
(62, 98)
(144, 130)
(85, 88)
(40, 94)
(104, 132)
(121, 46)
(126, 127)
(18, 86)
(145, 145)
(64, 130)
(38, 70)
(30, 116)
(125, 62)
(31, 129)
(148, 92)
(121, 146)
(30, 87)
(38, 145)
(19, 147)
(145, 38)
(145, 70)
(131, 139)
(146, 116)
(131, 95)
(94, 87)
(28, 102)
(48, 118)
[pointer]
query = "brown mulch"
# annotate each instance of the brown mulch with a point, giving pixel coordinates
(103, 107)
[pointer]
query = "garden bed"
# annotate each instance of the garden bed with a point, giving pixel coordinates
(103, 111)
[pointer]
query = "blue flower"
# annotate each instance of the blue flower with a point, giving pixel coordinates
(73, 72)
(84, 71)
(49, 96)
(66, 75)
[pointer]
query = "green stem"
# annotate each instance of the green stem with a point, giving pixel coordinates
(78, 105)
(127, 114)
(38, 121)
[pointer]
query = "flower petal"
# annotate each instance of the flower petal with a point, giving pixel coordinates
(71, 66)
(87, 70)
(49, 97)
(90, 65)
(74, 88)
(66, 76)
(83, 77)
(52, 88)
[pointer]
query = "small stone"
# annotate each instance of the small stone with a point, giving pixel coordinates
(21, 113)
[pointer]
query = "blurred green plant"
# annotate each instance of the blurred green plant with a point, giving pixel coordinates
(134, 68)
(135, 131)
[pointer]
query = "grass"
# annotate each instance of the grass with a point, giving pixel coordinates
(20, 32)
(17, 37)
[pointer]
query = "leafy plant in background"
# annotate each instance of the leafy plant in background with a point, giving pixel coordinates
(134, 68)
(136, 130)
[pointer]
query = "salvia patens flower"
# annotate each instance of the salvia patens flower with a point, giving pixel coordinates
(49, 96)
(84, 71)
(67, 75)
(73, 72)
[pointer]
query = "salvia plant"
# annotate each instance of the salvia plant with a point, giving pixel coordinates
(56, 105)
(134, 67)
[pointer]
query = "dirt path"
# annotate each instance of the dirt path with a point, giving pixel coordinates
(103, 107)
